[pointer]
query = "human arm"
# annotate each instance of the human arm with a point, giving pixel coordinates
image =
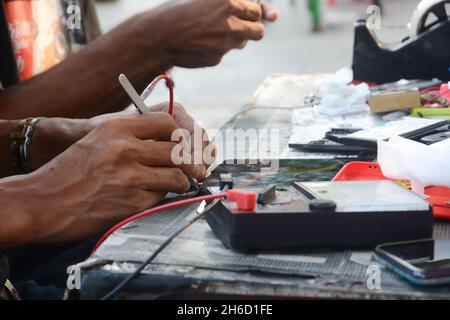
(122, 167)
(53, 136)
(193, 33)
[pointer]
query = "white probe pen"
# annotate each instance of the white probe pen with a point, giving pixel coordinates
(132, 93)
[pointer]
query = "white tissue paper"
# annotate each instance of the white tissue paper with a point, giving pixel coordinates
(339, 97)
(423, 165)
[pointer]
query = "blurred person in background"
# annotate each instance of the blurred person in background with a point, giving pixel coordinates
(316, 15)
(315, 8)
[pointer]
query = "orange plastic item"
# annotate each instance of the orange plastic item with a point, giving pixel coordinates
(246, 201)
(445, 91)
(360, 171)
(439, 197)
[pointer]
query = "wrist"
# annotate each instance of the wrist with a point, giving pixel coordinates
(152, 40)
(6, 127)
(54, 135)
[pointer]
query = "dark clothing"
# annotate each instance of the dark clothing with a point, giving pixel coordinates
(40, 272)
(4, 270)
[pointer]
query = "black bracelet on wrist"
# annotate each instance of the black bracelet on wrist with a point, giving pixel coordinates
(20, 144)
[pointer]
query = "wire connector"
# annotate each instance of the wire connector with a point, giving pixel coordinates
(245, 201)
(226, 180)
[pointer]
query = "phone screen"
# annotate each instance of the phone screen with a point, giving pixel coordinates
(427, 255)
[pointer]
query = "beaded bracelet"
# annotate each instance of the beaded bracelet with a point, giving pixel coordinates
(20, 144)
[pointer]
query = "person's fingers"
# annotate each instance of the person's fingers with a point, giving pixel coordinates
(238, 44)
(212, 152)
(269, 12)
(185, 121)
(163, 179)
(208, 160)
(246, 30)
(246, 10)
(243, 44)
(155, 125)
(181, 117)
(209, 150)
(167, 154)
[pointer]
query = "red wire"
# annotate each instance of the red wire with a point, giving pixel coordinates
(432, 89)
(156, 210)
(169, 83)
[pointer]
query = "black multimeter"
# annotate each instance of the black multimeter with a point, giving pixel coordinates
(324, 215)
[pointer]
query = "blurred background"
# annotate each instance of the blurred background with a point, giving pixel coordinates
(294, 44)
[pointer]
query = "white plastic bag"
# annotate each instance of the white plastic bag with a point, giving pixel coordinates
(423, 165)
(339, 97)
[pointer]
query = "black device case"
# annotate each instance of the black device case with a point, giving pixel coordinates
(295, 226)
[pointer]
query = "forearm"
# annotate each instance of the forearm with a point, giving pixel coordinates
(34, 209)
(52, 136)
(85, 84)
(17, 225)
(6, 127)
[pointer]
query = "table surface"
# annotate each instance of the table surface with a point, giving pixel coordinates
(196, 264)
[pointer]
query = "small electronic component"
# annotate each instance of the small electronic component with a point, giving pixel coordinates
(268, 195)
(226, 180)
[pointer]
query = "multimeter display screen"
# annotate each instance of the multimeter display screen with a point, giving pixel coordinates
(426, 255)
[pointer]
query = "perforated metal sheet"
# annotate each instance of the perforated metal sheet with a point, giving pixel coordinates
(198, 247)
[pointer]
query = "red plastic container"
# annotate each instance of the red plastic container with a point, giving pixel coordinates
(439, 197)
(445, 90)
(360, 171)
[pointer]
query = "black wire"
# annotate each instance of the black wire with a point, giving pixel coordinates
(149, 260)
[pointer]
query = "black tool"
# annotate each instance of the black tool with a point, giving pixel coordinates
(328, 146)
(268, 195)
(226, 181)
(424, 56)
(435, 138)
(372, 143)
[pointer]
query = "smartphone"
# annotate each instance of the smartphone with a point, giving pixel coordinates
(422, 263)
